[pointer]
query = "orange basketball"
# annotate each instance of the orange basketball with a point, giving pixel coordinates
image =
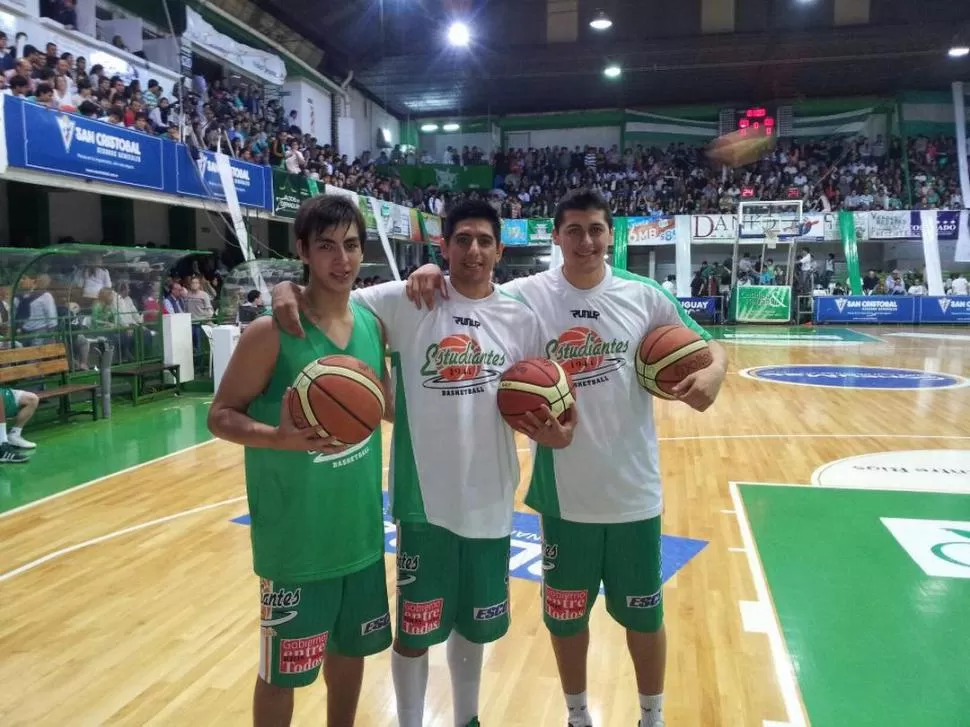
(339, 396)
(531, 383)
(740, 148)
(667, 355)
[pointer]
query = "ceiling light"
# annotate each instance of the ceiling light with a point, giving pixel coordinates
(429, 127)
(600, 22)
(959, 51)
(612, 71)
(459, 35)
(451, 127)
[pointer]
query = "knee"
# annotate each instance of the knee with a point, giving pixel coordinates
(407, 651)
(31, 401)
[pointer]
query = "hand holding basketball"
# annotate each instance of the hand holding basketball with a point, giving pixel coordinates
(291, 437)
(549, 431)
(699, 389)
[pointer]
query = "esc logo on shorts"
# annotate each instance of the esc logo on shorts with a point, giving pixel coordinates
(941, 548)
(491, 612)
(651, 601)
(375, 624)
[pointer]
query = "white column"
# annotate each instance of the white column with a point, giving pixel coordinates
(682, 253)
(931, 252)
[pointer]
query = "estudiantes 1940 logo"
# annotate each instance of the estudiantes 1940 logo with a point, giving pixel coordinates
(458, 365)
(855, 377)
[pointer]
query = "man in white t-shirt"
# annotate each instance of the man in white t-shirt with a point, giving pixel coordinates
(600, 498)
(454, 466)
(959, 286)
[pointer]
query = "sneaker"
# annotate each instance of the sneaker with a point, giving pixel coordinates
(15, 440)
(8, 455)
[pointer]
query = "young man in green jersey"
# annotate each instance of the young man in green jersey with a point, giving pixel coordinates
(454, 467)
(600, 499)
(316, 505)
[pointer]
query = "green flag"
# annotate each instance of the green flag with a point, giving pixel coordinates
(619, 242)
(847, 231)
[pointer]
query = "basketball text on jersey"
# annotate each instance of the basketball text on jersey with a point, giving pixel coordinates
(457, 366)
(585, 355)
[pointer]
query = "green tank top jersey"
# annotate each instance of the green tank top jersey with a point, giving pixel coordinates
(314, 515)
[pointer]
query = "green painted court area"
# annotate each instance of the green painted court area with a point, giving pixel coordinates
(68, 455)
(872, 590)
(790, 336)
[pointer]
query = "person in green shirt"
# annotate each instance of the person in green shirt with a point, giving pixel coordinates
(316, 505)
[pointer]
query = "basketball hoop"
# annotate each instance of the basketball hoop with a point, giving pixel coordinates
(771, 239)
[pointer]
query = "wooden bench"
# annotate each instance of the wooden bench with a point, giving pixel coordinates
(33, 362)
(139, 372)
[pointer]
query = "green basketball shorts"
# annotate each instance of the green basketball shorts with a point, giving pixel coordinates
(301, 623)
(625, 557)
(10, 406)
(445, 581)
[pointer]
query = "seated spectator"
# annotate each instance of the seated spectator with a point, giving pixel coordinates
(251, 309)
(20, 406)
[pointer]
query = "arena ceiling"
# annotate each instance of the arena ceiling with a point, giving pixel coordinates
(774, 49)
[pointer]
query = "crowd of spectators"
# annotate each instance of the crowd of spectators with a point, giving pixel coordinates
(828, 173)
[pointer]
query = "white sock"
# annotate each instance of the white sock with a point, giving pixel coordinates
(3, 432)
(410, 676)
(578, 714)
(651, 710)
(465, 664)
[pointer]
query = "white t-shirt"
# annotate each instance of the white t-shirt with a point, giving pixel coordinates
(959, 286)
(453, 459)
(611, 471)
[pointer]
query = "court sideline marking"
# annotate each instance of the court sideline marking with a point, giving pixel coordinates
(768, 621)
(95, 481)
(116, 534)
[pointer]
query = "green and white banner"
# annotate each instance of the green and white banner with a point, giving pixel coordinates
(761, 304)
(848, 231)
(620, 234)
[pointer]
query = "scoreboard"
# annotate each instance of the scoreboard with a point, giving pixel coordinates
(763, 120)
(757, 119)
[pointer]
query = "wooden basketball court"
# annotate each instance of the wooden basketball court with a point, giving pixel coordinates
(132, 600)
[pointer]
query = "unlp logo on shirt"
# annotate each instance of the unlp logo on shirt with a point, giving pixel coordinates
(458, 365)
(941, 548)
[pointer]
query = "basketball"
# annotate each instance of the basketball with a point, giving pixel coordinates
(339, 396)
(739, 148)
(667, 355)
(531, 383)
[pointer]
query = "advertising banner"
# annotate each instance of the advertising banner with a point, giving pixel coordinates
(289, 192)
(940, 309)
(70, 144)
(442, 176)
(655, 230)
(200, 178)
(890, 225)
(865, 309)
(540, 231)
(701, 309)
(432, 227)
(713, 228)
(761, 304)
(947, 225)
(515, 232)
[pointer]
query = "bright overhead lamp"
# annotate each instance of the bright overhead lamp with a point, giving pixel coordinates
(959, 51)
(612, 71)
(429, 127)
(451, 127)
(459, 35)
(600, 21)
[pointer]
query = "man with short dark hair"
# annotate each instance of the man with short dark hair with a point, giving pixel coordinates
(318, 533)
(454, 466)
(600, 499)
